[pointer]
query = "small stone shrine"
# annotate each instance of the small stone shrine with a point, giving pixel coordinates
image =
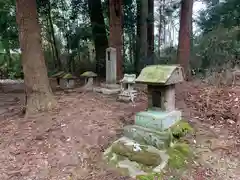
(127, 91)
(67, 81)
(143, 149)
(55, 79)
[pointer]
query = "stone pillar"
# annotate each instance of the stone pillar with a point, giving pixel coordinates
(111, 65)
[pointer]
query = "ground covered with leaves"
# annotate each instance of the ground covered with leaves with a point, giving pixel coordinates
(68, 144)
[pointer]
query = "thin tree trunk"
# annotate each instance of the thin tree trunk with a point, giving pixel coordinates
(160, 29)
(138, 37)
(59, 64)
(99, 34)
(116, 33)
(39, 95)
(183, 53)
(150, 29)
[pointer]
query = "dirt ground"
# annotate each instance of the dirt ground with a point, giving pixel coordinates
(68, 144)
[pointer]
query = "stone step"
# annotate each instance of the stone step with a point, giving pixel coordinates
(158, 120)
(146, 136)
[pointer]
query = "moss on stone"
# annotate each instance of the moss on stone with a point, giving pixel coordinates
(89, 74)
(58, 74)
(150, 176)
(68, 76)
(143, 156)
(179, 153)
(181, 129)
(156, 74)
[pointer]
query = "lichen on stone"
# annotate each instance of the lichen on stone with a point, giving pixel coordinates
(156, 73)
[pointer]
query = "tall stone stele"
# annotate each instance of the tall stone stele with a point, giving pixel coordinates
(111, 65)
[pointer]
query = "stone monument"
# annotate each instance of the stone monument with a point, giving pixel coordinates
(111, 86)
(127, 91)
(144, 147)
(111, 66)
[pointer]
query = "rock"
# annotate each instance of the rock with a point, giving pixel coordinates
(146, 155)
(146, 136)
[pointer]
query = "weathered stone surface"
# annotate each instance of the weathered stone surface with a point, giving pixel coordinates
(67, 83)
(158, 120)
(130, 167)
(143, 154)
(111, 65)
(161, 74)
(146, 136)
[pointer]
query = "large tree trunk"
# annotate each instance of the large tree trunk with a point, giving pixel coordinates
(184, 44)
(150, 29)
(38, 92)
(143, 31)
(99, 34)
(138, 36)
(116, 32)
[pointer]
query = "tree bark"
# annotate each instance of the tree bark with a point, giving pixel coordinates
(116, 32)
(150, 29)
(99, 34)
(59, 64)
(143, 30)
(184, 43)
(39, 95)
(138, 37)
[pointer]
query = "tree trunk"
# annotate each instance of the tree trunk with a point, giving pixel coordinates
(143, 31)
(183, 53)
(137, 45)
(39, 95)
(99, 34)
(150, 29)
(59, 64)
(116, 32)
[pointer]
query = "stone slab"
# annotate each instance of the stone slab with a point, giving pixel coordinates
(157, 139)
(158, 120)
(107, 91)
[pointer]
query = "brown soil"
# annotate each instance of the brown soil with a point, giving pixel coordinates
(67, 144)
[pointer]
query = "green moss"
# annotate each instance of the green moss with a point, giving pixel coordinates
(59, 74)
(156, 73)
(151, 176)
(178, 155)
(67, 76)
(181, 129)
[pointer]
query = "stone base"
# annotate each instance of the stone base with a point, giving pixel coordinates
(135, 159)
(110, 86)
(157, 120)
(127, 95)
(108, 89)
(157, 139)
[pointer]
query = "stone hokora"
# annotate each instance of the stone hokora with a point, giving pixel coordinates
(145, 136)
